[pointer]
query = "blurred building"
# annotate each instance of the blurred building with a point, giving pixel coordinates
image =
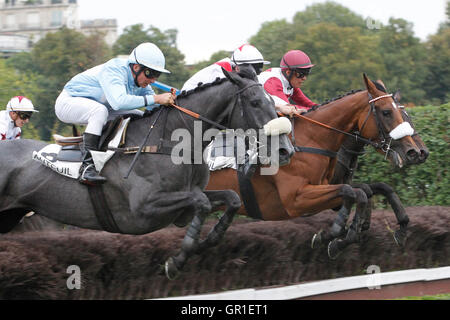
(32, 19)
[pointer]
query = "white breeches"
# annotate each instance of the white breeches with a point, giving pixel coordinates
(84, 111)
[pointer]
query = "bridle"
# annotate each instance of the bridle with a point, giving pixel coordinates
(384, 145)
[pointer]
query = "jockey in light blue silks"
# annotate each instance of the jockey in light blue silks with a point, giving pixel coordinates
(113, 88)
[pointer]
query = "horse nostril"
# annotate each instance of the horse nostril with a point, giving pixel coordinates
(423, 154)
(412, 154)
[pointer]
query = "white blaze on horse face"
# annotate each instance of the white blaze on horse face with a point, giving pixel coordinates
(402, 130)
(277, 127)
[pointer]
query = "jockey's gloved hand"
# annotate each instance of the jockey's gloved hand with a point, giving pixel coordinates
(164, 98)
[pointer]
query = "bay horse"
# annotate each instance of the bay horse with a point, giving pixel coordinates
(158, 192)
(304, 188)
(346, 165)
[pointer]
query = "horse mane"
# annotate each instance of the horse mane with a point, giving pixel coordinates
(245, 71)
(314, 108)
(378, 85)
(201, 86)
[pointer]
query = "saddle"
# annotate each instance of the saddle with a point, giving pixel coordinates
(65, 156)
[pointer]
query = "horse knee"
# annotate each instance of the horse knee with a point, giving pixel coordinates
(348, 192)
(201, 203)
(366, 188)
(361, 197)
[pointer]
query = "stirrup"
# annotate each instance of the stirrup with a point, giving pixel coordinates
(84, 180)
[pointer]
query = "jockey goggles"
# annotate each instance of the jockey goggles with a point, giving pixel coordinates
(24, 115)
(301, 73)
(150, 73)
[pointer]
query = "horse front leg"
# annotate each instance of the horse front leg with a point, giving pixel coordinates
(201, 207)
(336, 246)
(384, 189)
(228, 198)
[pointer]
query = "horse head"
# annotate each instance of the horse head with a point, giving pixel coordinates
(424, 152)
(384, 125)
(254, 109)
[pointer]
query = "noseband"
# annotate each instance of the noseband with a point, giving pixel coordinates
(385, 143)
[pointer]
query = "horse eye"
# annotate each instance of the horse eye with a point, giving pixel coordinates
(386, 113)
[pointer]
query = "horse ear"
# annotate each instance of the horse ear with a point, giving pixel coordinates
(229, 76)
(369, 85)
(397, 95)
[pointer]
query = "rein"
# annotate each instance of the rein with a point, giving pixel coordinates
(384, 145)
(202, 118)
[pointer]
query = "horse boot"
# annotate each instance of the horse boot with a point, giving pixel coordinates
(88, 174)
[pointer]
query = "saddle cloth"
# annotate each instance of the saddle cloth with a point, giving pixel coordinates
(220, 153)
(49, 155)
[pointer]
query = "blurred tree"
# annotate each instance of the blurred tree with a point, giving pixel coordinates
(329, 12)
(272, 40)
(166, 41)
(403, 56)
(54, 60)
(219, 55)
(14, 84)
(341, 55)
(438, 63)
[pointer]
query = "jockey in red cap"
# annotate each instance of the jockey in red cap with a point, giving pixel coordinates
(284, 83)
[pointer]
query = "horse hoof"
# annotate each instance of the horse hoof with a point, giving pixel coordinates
(172, 271)
(333, 249)
(316, 240)
(400, 238)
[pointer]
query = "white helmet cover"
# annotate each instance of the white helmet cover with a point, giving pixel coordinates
(20, 103)
(149, 55)
(247, 54)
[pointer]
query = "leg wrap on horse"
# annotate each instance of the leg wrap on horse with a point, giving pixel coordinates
(88, 174)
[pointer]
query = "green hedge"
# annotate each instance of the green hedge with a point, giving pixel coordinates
(418, 185)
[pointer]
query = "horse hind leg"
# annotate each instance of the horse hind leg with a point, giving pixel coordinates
(201, 206)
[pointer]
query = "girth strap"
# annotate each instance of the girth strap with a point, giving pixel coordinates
(322, 152)
(248, 196)
(145, 149)
(101, 209)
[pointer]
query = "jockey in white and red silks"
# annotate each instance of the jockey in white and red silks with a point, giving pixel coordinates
(245, 54)
(18, 113)
(284, 83)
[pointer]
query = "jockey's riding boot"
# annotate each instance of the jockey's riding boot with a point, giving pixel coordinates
(88, 174)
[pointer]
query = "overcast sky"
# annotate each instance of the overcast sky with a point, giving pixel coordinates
(207, 26)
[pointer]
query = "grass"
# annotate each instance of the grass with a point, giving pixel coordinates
(445, 296)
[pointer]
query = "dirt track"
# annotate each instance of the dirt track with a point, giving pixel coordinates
(33, 264)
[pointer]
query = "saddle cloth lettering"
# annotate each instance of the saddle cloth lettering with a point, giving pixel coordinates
(49, 154)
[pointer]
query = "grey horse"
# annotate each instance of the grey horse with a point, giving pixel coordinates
(158, 192)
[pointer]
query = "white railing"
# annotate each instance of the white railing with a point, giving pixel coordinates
(326, 286)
